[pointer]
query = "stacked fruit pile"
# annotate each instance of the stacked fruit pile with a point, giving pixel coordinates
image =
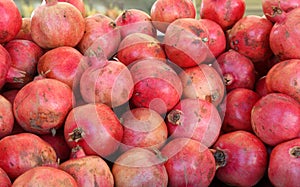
(159, 99)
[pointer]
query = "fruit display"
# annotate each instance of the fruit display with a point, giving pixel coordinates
(183, 93)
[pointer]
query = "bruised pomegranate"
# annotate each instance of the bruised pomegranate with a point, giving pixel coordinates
(56, 24)
(45, 176)
(144, 128)
(224, 12)
(11, 20)
(24, 151)
(139, 167)
(41, 106)
(196, 119)
(164, 12)
(284, 164)
(95, 128)
(275, 118)
(241, 157)
(135, 21)
(189, 163)
(6, 117)
(4, 179)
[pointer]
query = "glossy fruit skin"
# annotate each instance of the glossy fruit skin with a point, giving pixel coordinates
(45, 176)
(86, 123)
(89, 171)
(250, 37)
(24, 151)
(246, 158)
(164, 12)
(11, 21)
(261, 86)
(239, 104)
(196, 119)
(236, 69)
(284, 77)
(6, 117)
(4, 179)
(275, 118)
(139, 167)
(156, 85)
(186, 42)
(135, 21)
(189, 163)
(47, 21)
(224, 12)
(284, 164)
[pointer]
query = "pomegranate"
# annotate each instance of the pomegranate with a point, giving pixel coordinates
(139, 167)
(111, 84)
(139, 46)
(236, 69)
(135, 21)
(144, 128)
(284, 35)
(95, 128)
(6, 117)
(156, 85)
(241, 158)
(41, 106)
(275, 118)
(261, 86)
(45, 176)
(203, 82)
(5, 63)
(186, 42)
(224, 12)
(61, 64)
(56, 24)
(164, 12)
(88, 170)
(239, 103)
(250, 37)
(275, 9)
(196, 119)
(4, 179)
(100, 32)
(79, 4)
(24, 151)
(189, 163)
(11, 21)
(284, 164)
(25, 31)
(288, 80)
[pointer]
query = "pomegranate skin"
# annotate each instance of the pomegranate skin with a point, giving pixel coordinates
(189, 163)
(25, 31)
(79, 4)
(284, 164)
(261, 86)
(46, 25)
(275, 118)
(11, 20)
(6, 117)
(4, 179)
(45, 176)
(244, 158)
(5, 63)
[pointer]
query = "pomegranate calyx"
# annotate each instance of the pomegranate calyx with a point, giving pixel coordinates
(76, 135)
(228, 79)
(176, 117)
(220, 157)
(295, 152)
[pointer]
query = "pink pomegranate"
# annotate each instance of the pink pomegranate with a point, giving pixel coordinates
(56, 24)
(85, 124)
(45, 176)
(4, 179)
(164, 12)
(186, 42)
(156, 85)
(261, 86)
(135, 21)
(224, 12)
(241, 158)
(11, 21)
(250, 37)
(139, 167)
(100, 32)
(143, 128)
(25, 31)
(284, 164)
(196, 119)
(42, 105)
(24, 151)
(79, 4)
(5, 63)
(138, 46)
(189, 163)
(6, 117)
(275, 118)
